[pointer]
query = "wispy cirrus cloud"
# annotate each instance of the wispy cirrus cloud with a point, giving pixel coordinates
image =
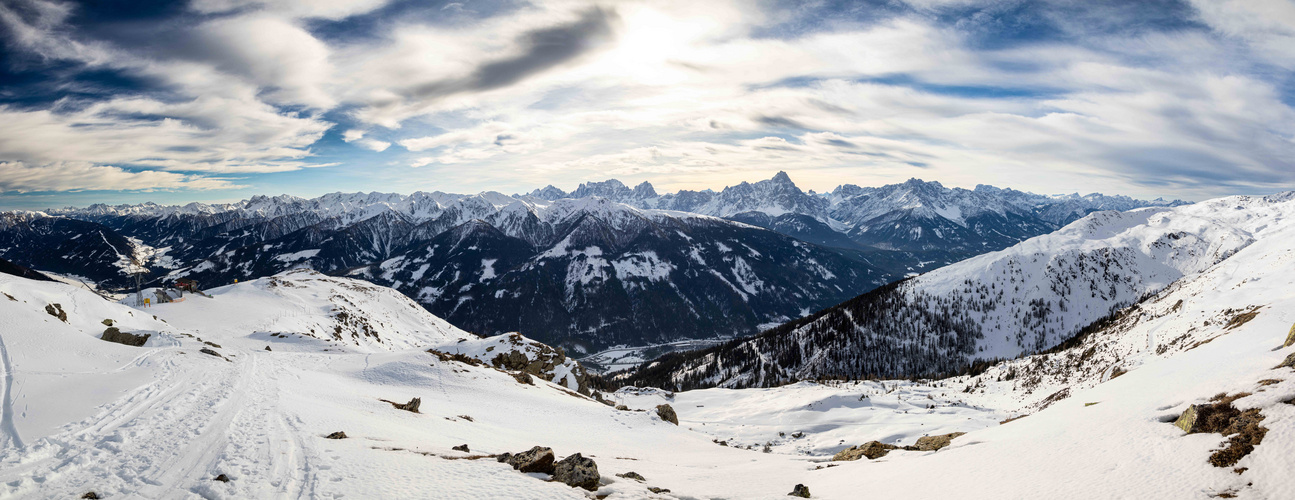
(80, 176)
(1179, 98)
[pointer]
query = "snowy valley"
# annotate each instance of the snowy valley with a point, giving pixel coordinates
(991, 386)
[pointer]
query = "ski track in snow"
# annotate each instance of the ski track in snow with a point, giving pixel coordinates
(177, 434)
(11, 437)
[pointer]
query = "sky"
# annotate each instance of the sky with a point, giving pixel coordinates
(125, 101)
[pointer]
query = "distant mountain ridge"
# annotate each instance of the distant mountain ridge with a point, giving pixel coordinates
(1024, 299)
(604, 265)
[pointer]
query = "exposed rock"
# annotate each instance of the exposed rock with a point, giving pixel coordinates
(1290, 337)
(503, 457)
(577, 471)
(458, 357)
(932, 443)
(667, 413)
(654, 489)
(222, 478)
(336, 435)
(462, 448)
(872, 449)
(799, 491)
(546, 360)
(633, 475)
(107, 322)
(267, 347)
(1289, 362)
(1187, 421)
(112, 334)
(523, 378)
(91, 495)
(56, 311)
(622, 408)
(411, 406)
(537, 459)
(209, 351)
(1221, 417)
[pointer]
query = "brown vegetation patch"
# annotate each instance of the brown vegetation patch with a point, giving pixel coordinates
(1240, 317)
(1222, 417)
(1246, 434)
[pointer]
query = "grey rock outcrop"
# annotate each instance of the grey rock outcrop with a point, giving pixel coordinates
(872, 449)
(112, 334)
(537, 459)
(932, 443)
(577, 471)
(666, 412)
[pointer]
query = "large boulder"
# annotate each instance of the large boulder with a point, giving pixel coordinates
(666, 412)
(872, 449)
(112, 334)
(1187, 421)
(800, 490)
(932, 443)
(1290, 337)
(576, 470)
(537, 459)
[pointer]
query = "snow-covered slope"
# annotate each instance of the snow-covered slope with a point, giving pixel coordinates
(1024, 299)
(162, 421)
(55, 367)
(287, 309)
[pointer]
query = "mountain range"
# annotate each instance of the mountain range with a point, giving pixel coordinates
(1026, 299)
(601, 266)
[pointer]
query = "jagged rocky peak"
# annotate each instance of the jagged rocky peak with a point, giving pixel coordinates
(549, 192)
(782, 179)
(644, 190)
(610, 188)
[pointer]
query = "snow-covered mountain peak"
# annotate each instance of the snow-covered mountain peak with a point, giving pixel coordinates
(549, 192)
(644, 191)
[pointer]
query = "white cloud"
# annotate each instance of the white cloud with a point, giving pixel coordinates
(273, 54)
(208, 134)
(80, 176)
(374, 144)
(721, 98)
(326, 9)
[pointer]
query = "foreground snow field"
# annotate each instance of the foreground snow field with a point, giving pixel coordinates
(162, 420)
